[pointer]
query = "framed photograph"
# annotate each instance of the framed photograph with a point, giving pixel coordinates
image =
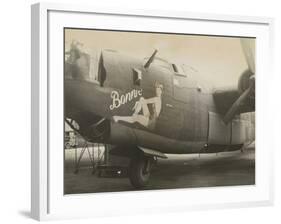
(148, 111)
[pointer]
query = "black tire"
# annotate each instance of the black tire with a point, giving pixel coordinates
(138, 174)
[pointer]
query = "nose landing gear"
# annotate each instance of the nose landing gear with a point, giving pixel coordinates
(140, 170)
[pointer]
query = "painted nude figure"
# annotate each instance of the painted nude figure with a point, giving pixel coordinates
(146, 118)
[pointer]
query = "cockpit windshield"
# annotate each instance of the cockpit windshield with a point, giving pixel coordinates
(160, 62)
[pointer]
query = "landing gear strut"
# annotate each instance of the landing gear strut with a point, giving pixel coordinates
(139, 170)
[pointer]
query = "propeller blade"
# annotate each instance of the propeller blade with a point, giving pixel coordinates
(236, 105)
(248, 46)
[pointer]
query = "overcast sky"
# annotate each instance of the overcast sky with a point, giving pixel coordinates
(219, 60)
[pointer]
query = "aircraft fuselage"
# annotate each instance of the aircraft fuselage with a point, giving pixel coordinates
(158, 107)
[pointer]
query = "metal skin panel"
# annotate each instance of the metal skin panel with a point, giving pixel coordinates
(202, 121)
(195, 101)
(219, 132)
(238, 131)
(124, 136)
(86, 98)
(243, 129)
(248, 120)
(170, 122)
(118, 74)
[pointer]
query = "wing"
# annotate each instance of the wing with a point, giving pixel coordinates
(228, 98)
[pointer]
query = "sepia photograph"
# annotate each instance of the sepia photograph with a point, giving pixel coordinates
(153, 111)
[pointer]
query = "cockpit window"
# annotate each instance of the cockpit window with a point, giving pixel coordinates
(137, 76)
(101, 72)
(178, 70)
(160, 62)
(175, 68)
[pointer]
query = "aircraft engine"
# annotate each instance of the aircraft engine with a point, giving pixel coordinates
(244, 81)
(247, 79)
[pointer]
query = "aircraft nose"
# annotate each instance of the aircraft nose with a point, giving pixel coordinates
(81, 96)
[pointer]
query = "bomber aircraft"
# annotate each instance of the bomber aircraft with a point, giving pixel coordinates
(147, 108)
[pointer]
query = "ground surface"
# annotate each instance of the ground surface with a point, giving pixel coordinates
(179, 171)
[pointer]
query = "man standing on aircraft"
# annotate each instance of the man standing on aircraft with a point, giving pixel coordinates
(147, 118)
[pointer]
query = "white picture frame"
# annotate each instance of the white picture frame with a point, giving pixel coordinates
(48, 201)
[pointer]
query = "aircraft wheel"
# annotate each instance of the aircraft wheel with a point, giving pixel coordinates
(139, 171)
